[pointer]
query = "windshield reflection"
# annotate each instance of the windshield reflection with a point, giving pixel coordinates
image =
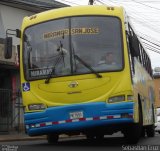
(90, 38)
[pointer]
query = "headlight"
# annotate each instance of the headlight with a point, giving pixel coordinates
(116, 99)
(36, 107)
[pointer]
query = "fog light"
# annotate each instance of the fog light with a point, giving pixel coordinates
(116, 99)
(36, 107)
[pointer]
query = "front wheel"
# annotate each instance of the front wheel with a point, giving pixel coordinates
(100, 137)
(133, 133)
(90, 137)
(52, 138)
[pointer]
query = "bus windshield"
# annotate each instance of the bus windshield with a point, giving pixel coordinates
(53, 45)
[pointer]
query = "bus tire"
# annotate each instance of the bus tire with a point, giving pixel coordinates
(150, 130)
(52, 138)
(100, 137)
(133, 134)
(90, 137)
(134, 131)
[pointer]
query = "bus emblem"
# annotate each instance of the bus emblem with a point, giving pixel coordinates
(73, 84)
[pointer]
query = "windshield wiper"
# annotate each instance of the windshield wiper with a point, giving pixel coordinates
(88, 66)
(62, 53)
(53, 68)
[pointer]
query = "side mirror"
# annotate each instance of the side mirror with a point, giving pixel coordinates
(134, 46)
(8, 48)
(18, 33)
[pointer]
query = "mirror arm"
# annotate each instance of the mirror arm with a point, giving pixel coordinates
(12, 32)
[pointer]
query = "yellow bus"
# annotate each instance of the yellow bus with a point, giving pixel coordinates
(84, 71)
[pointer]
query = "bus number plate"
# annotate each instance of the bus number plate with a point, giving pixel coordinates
(76, 115)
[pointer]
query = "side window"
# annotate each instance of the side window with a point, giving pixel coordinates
(131, 59)
(130, 45)
(136, 50)
(134, 44)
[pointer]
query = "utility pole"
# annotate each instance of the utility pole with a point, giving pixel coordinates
(91, 2)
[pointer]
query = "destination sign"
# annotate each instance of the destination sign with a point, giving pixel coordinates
(73, 31)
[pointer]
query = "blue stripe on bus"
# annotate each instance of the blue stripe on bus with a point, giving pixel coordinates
(89, 109)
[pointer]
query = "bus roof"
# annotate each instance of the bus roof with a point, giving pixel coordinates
(73, 11)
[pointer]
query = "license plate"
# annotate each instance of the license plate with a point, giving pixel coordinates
(76, 115)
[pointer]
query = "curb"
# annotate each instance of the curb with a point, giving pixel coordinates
(22, 138)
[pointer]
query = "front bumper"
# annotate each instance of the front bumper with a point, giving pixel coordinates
(57, 119)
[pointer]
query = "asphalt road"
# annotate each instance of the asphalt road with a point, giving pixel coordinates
(110, 143)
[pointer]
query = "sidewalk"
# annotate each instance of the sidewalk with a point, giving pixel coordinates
(15, 136)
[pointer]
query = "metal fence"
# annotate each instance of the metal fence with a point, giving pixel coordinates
(5, 109)
(11, 111)
(17, 121)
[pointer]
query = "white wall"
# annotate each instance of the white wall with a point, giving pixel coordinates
(11, 18)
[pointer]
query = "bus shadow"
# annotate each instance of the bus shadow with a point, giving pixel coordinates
(83, 142)
(111, 141)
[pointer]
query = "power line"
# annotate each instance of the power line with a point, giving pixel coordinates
(143, 22)
(151, 47)
(146, 1)
(151, 38)
(148, 48)
(69, 2)
(101, 2)
(145, 5)
(149, 41)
